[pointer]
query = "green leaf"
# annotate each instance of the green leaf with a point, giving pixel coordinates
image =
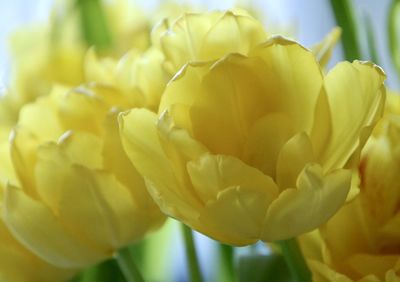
(261, 268)
(345, 18)
(371, 40)
(94, 24)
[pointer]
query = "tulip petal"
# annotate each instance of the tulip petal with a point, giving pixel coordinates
(322, 272)
(294, 79)
(293, 157)
(231, 34)
(23, 155)
(265, 140)
(19, 264)
(180, 148)
(41, 119)
(300, 210)
(361, 264)
(60, 183)
(82, 148)
(116, 160)
(211, 174)
(142, 145)
(356, 97)
(237, 197)
(82, 104)
(43, 233)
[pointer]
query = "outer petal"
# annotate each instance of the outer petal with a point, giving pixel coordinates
(180, 148)
(35, 226)
(141, 142)
(61, 183)
(356, 96)
(300, 210)
(294, 79)
(237, 197)
(18, 264)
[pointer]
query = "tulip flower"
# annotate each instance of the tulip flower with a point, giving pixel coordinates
(361, 242)
(197, 37)
(17, 263)
(77, 198)
(254, 147)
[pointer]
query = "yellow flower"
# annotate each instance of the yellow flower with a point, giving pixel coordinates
(17, 263)
(55, 52)
(195, 37)
(362, 241)
(138, 76)
(253, 147)
(77, 198)
(206, 36)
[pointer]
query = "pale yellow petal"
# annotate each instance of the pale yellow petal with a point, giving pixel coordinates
(23, 154)
(294, 79)
(323, 273)
(356, 97)
(293, 157)
(99, 70)
(230, 217)
(180, 148)
(82, 148)
(360, 265)
(18, 264)
(299, 210)
(142, 145)
(211, 174)
(36, 227)
(265, 140)
(237, 197)
(60, 183)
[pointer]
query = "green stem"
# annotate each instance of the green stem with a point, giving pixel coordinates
(94, 24)
(226, 255)
(344, 16)
(128, 266)
(193, 263)
(295, 260)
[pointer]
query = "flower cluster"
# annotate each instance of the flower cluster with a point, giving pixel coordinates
(207, 118)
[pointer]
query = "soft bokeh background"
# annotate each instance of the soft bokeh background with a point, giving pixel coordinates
(308, 20)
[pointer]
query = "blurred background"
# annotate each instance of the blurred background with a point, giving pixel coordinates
(307, 21)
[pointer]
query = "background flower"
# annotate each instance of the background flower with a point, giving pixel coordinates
(361, 242)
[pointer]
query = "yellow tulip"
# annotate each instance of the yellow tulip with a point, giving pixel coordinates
(361, 242)
(137, 76)
(253, 147)
(17, 263)
(195, 37)
(77, 198)
(55, 52)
